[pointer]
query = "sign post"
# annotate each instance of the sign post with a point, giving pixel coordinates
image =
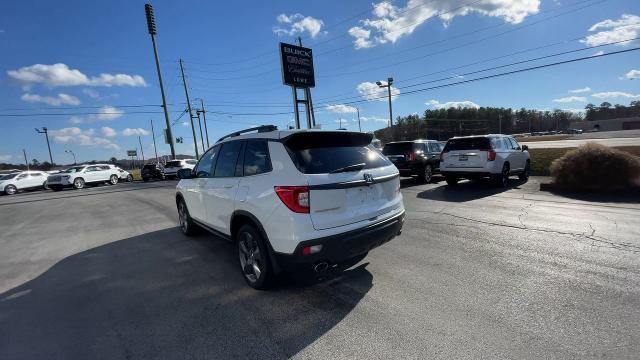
(297, 72)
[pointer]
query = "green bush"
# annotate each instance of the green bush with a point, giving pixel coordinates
(593, 166)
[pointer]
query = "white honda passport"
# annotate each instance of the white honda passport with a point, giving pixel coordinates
(293, 201)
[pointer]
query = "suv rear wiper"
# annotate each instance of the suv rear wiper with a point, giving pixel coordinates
(354, 167)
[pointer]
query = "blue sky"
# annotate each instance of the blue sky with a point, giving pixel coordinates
(89, 61)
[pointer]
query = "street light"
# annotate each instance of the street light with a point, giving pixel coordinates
(72, 154)
(388, 86)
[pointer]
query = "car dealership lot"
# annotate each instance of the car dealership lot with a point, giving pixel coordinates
(477, 272)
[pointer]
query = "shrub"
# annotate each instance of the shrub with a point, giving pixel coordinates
(594, 166)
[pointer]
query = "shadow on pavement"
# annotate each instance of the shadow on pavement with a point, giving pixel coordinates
(407, 182)
(630, 197)
(467, 190)
(162, 296)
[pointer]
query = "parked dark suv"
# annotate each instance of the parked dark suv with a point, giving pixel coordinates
(152, 171)
(415, 158)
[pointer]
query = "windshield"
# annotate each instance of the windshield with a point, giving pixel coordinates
(9, 176)
(175, 163)
(73, 169)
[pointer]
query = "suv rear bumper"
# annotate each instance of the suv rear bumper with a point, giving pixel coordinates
(468, 173)
(341, 247)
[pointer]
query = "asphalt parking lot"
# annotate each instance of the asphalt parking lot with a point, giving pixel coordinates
(478, 272)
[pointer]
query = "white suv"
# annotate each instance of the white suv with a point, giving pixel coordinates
(12, 183)
(293, 201)
(78, 176)
(493, 156)
(171, 167)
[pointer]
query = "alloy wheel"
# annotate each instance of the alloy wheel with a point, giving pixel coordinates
(78, 183)
(428, 173)
(10, 190)
(113, 180)
(250, 257)
(183, 217)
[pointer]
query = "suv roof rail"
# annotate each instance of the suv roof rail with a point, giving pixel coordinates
(260, 129)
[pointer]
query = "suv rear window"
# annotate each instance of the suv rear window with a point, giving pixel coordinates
(322, 153)
(149, 166)
(401, 148)
(174, 163)
(474, 143)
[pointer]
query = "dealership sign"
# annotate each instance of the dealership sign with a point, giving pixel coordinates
(297, 66)
(132, 153)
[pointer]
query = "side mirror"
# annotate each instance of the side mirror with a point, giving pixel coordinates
(184, 174)
(525, 148)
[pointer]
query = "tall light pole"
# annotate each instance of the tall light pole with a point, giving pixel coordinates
(72, 154)
(155, 149)
(388, 86)
(45, 131)
(186, 93)
(151, 25)
(204, 119)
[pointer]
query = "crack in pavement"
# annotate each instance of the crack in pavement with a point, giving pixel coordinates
(618, 246)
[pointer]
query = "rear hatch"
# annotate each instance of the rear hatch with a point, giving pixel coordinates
(400, 153)
(173, 166)
(349, 180)
(468, 152)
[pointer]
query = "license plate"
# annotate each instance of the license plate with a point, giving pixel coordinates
(463, 158)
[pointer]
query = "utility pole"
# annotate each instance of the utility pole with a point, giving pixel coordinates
(45, 131)
(359, 126)
(186, 93)
(200, 127)
(151, 25)
(204, 119)
(24, 152)
(141, 150)
(155, 149)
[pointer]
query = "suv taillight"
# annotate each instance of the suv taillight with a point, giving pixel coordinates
(491, 155)
(296, 198)
(410, 156)
(442, 156)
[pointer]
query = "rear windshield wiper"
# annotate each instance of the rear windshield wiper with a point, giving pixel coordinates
(354, 167)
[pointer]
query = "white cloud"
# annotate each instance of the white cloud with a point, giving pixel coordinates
(61, 75)
(627, 27)
(371, 91)
(341, 109)
(105, 113)
(135, 132)
(633, 74)
(453, 104)
(185, 124)
(374, 118)
(598, 53)
(60, 99)
(108, 132)
(391, 22)
(5, 158)
(91, 93)
(570, 99)
(613, 94)
(76, 119)
(77, 136)
(294, 24)
(581, 90)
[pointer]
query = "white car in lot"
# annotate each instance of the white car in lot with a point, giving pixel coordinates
(171, 167)
(81, 175)
(293, 201)
(24, 180)
(488, 156)
(123, 175)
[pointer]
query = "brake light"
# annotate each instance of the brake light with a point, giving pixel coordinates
(411, 156)
(442, 156)
(296, 198)
(491, 155)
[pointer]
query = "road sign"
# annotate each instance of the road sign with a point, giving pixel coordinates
(297, 66)
(132, 153)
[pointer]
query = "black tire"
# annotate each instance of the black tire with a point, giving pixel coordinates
(45, 186)
(451, 180)
(524, 176)
(10, 190)
(113, 179)
(129, 178)
(427, 174)
(187, 226)
(78, 183)
(502, 179)
(254, 259)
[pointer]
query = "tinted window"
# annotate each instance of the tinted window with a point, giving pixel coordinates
(174, 163)
(205, 166)
(191, 162)
(256, 158)
(93, 168)
(328, 159)
(9, 176)
(227, 159)
(400, 148)
(473, 143)
(434, 147)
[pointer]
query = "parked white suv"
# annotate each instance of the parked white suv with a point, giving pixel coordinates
(171, 167)
(293, 201)
(23, 180)
(78, 176)
(493, 156)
